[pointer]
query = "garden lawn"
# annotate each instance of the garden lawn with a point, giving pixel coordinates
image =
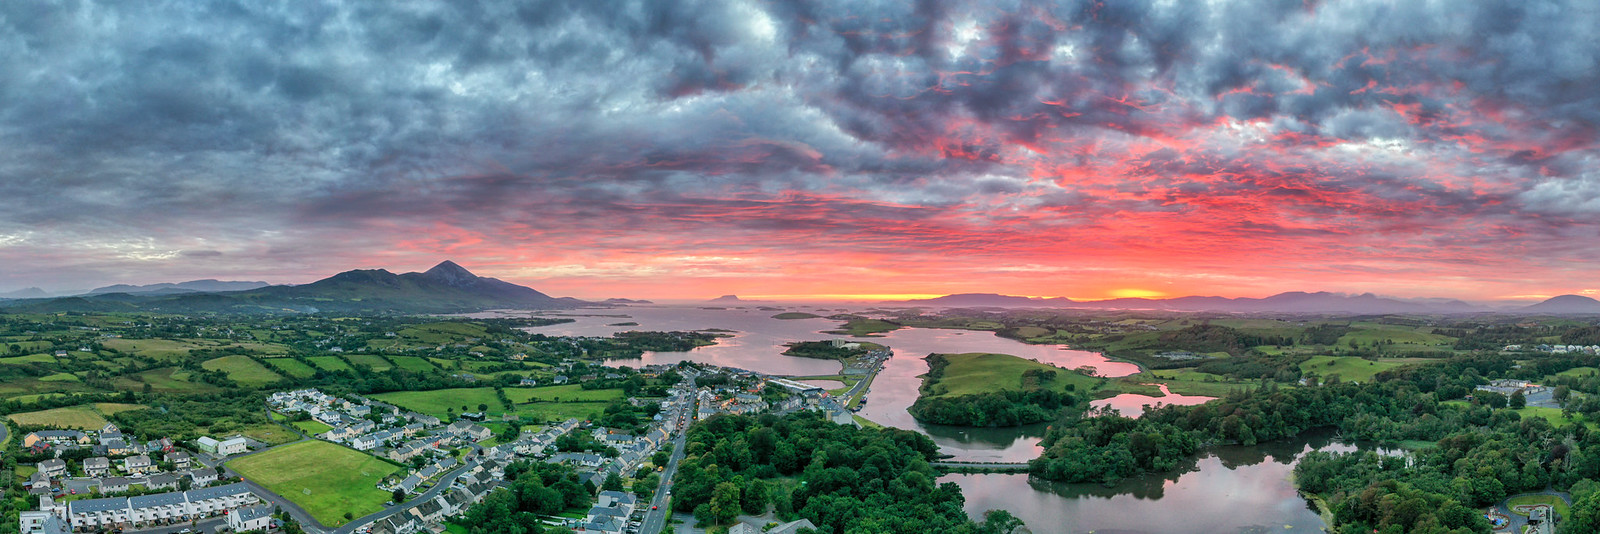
(1349, 368)
(85, 416)
(326, 480)
(1552, 500)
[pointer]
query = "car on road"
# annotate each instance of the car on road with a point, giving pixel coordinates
(654, 507)
(185, 531)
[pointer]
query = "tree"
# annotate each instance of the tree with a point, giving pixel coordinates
(399, 495)
(348, 516)
(483, 407)
(1518, 400)
(612, 483)
(724, 504)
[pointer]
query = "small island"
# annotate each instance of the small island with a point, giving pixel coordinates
(830, 350)
(979, 389)
(789, 316)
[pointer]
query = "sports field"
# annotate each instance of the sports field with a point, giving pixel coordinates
(326, 480)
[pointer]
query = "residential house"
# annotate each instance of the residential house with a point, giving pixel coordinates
(395, 524)
(251, 518)
(138, 464)
(179, 459)
(470, 430)
(203, 477)
(115, 484)
(55, 437)
(96, 467)
(411, 483)
(430, 511)
(792, 527)
(578, 458)
(53, 468)
(42, 522)
(617, 499)
(364, 442)
(163, 481)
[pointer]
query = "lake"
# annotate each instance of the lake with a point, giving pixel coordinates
(1230, 490)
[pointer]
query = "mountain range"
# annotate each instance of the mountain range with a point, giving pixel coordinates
(192, 286)
(1291, 302)
(446, 288)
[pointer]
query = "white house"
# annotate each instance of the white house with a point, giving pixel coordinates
(232, 446)
(252, 518)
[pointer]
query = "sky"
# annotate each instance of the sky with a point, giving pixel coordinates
(816, 149)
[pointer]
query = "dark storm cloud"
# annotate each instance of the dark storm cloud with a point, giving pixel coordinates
(233, 131)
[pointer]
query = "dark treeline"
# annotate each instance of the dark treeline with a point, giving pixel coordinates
(844, 479)
(534, 489)
(1002, 408)
(1482, 454)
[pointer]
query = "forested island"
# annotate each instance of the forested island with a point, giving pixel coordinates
(994, 390)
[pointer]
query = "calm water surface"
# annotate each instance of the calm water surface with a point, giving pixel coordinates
(1230, 490)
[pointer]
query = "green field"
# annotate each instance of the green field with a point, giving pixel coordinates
(1403, 337)
(326, 480)
(443, 332)
(376, 362)
(243, 370)
(292, 367)
(1552, 500)
(160, 349)
(1553, 415)
(975, 373)
(1352, 369)
(1186, 382)
(87, 416)
(544, 404)
(269, 433)
(441, 402)
(31, 358)
(329, 363)
(60, 377)
(311, 427)
(570, 392)
(1579, 372)
(164, 380)
(413, 363)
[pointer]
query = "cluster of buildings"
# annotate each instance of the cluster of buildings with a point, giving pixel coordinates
(464, 490)
(148, 511)
(124, 466)
(1555, 349)
(378, 428)
(1508, 386)
(108, 441)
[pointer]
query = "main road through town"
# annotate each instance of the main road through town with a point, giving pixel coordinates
(656, 520)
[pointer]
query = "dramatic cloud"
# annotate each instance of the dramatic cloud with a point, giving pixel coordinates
(686, 148)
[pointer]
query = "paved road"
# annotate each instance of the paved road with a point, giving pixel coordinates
(655, 520)
(209, 524)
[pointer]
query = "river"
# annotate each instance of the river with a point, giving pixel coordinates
(1229, 490)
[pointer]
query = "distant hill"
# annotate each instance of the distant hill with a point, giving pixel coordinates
(1566, 304)
(1290, 302)
(726, 298)
(626, 301)
(28, 293)
(991, 299)
(446, 288)
(193, 286)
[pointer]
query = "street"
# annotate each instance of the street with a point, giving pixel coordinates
(655, 520)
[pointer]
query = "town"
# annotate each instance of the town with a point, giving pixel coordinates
(99, 480)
